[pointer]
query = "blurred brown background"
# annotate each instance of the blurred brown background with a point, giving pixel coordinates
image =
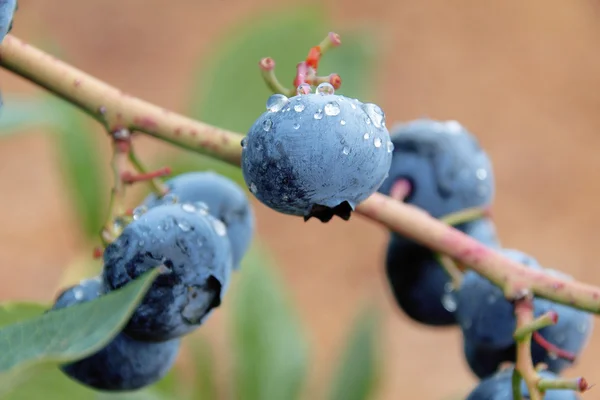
(524, 76)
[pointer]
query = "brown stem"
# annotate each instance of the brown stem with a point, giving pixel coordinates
(122, 110)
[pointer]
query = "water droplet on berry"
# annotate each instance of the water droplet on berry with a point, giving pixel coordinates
(201, 207)
(267, 124)
(303, 88)
(346, 150)
(319, 114)
(481, 173)
(118, 224)
(332, 108)
(377, 142)
(276, 102)
(453, 127)
(449, 302)
(285, 197)
(325, 88)
(187, 207)
(367, 120)
(167, 224)
(296, 126)
(299, 107)
(366, 136)
(170, 198)
(253, 188)
(184, 226)
(342, 122)
(141, 243)
(244, 142)
(219, 227)
(78, 293)
(139, 211)
(353, 106)
(390, 146)
(375, 114)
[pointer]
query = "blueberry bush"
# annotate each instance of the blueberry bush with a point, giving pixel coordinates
(162, 268)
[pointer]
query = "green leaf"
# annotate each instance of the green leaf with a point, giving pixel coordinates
(13, 312)
(269, 347)
(82, 166)
(34, 345)
(19, 113)
(205, 384)
(357, 372)
(229, 91)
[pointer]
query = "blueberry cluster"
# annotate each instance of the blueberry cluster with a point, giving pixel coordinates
(196, 235)
(7, 10)
(317, 154)
(446, 171)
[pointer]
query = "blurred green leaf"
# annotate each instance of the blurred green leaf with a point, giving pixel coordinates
(205, 386)
(82, 166)
(19, 113)
(229, 91)
(13, 312)
(269, 347)
(37, 344)
(357, 370)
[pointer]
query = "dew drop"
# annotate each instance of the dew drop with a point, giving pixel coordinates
(253, 188)
(219, 227)
(276, 102)
(78, 293)
(139, 211)
(184, 226)
(201, 207)
(303, 88)
(267, 124)
(167, 224)
(353, 106)
(346, 150)
(453, 127)
(296, 126)
(285, 197)
(187, 207)
(367, 120)
(118, 224)
(366, 136)
(449, 302)
(171, 198)
(299, 107)
(390, 146)
(332, 108)
(375, 114)
(342, 122)
(244, 142)
(377, 142)
(481, 174)
(325, 88)
(319, 114)
(141, 243)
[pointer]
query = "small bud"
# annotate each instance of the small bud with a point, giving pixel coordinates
(267, 64)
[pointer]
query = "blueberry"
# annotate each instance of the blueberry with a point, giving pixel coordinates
(499, 387)
(420, 285)
(316, 155)
(487, 321)
(445, 165)
(124, 364)
(191, 248)
(7, 10)
(226, 201)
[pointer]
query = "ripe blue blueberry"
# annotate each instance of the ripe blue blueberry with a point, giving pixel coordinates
(487, 321)
(7, 10)
(124, 364)
(316, 155)
(499, 387)
(226, 201)
(447, 169)
(192, 250)
(420, 285)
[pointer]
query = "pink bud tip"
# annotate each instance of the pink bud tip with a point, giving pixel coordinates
(553, 316)
(400, 189)
(335, 39)
(267, 64)
(583, 385)
(335, 80)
